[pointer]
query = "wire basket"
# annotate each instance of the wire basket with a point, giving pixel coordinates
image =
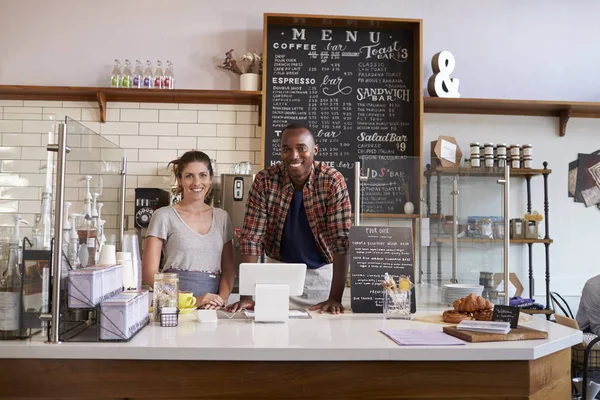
(169, 316)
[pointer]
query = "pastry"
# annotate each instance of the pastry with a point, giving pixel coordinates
(454, 317)
(483, 315)
(472, 303)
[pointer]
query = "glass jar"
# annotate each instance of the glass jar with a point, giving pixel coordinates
(488, 149)
(527, 162)
(467, 163)
(527, 150)
(489, 161)
(515, 162)
(501, 161)
(166, 292)
(396, 304)
(475, 161)
(475, 148)
(515, 150)
(501, 149)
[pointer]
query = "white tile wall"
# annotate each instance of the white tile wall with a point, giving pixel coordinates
(148, 134)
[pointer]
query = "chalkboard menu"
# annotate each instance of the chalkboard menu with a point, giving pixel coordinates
(373, 252)
(357, 85)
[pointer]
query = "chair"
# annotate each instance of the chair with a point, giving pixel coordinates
(590, 357)
(558, 300)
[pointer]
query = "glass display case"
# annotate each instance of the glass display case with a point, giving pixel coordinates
(465, 240)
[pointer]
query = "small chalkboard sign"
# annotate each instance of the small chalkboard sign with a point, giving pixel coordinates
(506, 314)
(375, 251)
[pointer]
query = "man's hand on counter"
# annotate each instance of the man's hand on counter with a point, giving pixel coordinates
(333, 306)
(244, 303)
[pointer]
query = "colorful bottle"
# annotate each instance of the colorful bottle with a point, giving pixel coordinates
(115, 78)
(169, 80)
(158, 76)
(148, 76)
(138, 79)
(127, 77)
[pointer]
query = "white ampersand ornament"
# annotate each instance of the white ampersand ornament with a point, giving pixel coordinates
(440, 84)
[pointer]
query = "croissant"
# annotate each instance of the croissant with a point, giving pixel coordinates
(472, 303)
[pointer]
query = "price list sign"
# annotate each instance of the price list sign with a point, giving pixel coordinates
(355, 88)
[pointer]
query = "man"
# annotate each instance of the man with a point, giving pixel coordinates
(298, 211)
(588, 314)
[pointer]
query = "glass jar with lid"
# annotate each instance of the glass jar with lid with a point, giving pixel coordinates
(475, 148)
(166, 292)
(527, 150)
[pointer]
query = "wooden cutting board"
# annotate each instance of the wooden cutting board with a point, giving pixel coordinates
(520, 333)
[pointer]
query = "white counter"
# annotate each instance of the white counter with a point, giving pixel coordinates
(322, 338)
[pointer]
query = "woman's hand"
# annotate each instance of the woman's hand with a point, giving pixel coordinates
(210, 301)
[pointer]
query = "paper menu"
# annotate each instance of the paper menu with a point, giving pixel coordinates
(448, 151)
(484, 326)
(421, 337)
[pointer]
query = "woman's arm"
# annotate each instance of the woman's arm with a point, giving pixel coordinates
(227, 273)
(151, 259)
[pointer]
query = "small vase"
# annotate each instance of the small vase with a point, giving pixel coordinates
(409, 208)
(250, 82)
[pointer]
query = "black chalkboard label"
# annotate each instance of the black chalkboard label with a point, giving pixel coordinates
(355, 88)
(506, 314)
(373, 252)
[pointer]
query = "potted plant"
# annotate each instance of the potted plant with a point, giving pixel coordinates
(248, 67)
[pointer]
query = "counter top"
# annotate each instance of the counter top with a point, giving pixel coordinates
(324, 337)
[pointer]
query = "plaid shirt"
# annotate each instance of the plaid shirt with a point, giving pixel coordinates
(326, 202)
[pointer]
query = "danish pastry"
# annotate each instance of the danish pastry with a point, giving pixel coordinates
(454, 317)
(483, 315)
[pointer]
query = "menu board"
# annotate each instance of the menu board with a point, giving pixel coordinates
(373, 252)
(355, 89)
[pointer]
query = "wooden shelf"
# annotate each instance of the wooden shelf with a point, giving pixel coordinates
(514, 172)
(561, 109)
(104, 94)
(491, 241)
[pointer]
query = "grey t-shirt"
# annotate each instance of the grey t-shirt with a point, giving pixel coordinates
(588, 315)
(186, 249)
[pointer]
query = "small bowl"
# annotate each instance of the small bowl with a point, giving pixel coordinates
(206, 315)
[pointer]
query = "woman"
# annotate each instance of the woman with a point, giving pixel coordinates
(194, 238)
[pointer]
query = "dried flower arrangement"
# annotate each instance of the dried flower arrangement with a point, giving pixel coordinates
(249, 63)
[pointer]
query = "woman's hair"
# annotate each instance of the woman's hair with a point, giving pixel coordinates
(191, 156)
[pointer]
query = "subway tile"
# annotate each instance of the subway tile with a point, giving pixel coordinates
(131, 154)
(29, 206)
(7, 220)
(10, 179)
(118, 104)
(129, 195)
(21, 139)
(216, 117)
(248, 144)
(154, 181)
(11, 126)
(42, 103)
(80, 104)
(39, 126)
(23, 117)
(83, 154)
(160, 106)
(111, 207)
(119, 128)
(177, 143)
(258, 131)
(61, 113)
(19, 193)
(73, 140)
(159, 129)
(141, 168)
(139, 115)
(197, 130)
(178, 116)
(205, 107)
(91, 114)
(108, 195)
(34, 153)
(138, 142)
(96, 141)
(258, 159)
(10, 153)
(235, 107)
(38, 180)
(111, 181)
(113, 115)
(157, 155)
(23, 110)
(22, 166)
(235, 130)
(216, 143)
(11, 206)
(131, 182)
(246, 118)
(11, 103)
(233, 157)
(92, 167)
(87, 128)
(163, 169)
(72, 167)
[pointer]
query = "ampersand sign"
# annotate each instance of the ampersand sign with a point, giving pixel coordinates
(440, 84)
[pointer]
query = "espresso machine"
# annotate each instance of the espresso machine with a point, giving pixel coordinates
(147, 200)
(234, 194)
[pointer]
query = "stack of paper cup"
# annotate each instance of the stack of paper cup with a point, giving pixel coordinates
(108, 254)
(124, 258)
(132, 246)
